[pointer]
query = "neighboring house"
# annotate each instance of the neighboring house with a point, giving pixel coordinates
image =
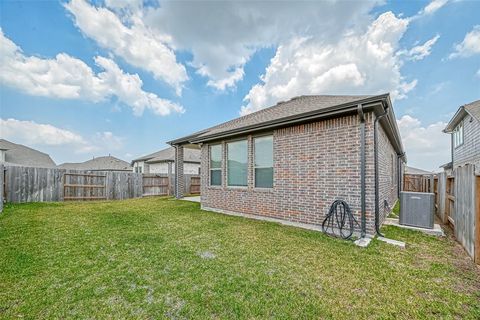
(107, 163)
(20, 155)
(464, 129)
(289, 162)
(163, 162)
(412, 170)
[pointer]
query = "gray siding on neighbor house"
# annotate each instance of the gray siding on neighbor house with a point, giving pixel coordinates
(469, 151)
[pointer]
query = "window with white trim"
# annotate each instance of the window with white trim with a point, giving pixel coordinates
(458, 135)
(263, 161)
(237, 163)
(216, 165)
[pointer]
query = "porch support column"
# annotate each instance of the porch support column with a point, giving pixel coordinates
(171, 186)
(179, 177)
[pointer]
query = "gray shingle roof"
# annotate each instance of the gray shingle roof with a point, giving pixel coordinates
(474, 109)
(412, 170)
(282, 110)
(168, 154)
(18, 154)
(107, 163)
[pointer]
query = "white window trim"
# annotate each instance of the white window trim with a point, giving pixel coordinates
(458, 132)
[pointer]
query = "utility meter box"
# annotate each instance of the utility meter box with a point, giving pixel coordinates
(417, 209)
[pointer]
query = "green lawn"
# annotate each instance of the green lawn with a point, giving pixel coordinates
(395, 211)
(160, 258)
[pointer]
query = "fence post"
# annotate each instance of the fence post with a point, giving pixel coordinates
(2, 186)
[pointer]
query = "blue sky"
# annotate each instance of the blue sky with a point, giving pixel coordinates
(81, 79)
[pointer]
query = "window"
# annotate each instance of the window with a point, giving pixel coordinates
(263, 154)
(216, 165)
(458, 135)
(237, 159)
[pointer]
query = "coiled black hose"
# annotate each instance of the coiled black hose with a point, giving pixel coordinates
(339, 221)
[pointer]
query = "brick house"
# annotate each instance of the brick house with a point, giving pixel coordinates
(464, 128)
(289, 162)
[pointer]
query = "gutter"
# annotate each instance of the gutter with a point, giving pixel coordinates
(461, 112)
(350, 107)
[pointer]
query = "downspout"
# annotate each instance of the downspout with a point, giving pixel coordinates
(399, 174)
(451, 149)
(362, 172)
(375, 151)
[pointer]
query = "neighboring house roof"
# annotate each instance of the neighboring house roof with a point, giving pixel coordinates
(107, 163)
(20, 155)
(168, 154)
(472, 108)
(412, 170)
(446, 166)
(297, 110)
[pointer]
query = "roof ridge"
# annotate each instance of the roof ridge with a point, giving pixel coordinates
(280, 103)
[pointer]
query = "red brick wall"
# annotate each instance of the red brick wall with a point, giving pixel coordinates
(314, 164)
(388, 177)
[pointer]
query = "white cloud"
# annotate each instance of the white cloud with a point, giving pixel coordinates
(470, 44)
(432, 7)
(223, 35)
(136, 44)
(438, 87)
(103, 143)
(364, 61)
(421, 51)
(66, 77)
(31, 133)
(478, 73)
(427, 147)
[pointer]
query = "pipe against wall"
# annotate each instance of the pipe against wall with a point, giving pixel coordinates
(362, 171)
(375, 151)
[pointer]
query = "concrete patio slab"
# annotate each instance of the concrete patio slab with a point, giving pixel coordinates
(192, 199)
(436, 231)
(397, 243)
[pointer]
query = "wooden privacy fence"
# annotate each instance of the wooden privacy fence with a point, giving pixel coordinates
(156, 185)
(194, 185)
(159, 184)
(84, 186)
(30, 184)
(458, 204)
(418, 182)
